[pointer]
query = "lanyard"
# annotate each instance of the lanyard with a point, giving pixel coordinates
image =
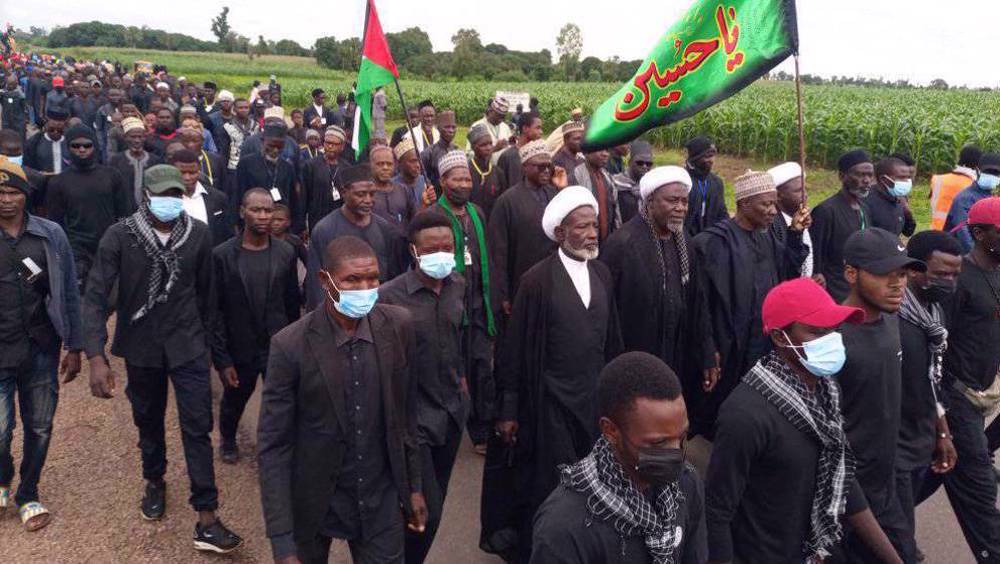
(208, 165)
(482, 175)
(703, 190)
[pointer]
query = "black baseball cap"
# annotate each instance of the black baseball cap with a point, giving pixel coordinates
(877, 251)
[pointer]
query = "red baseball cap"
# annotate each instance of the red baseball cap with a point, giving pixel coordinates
(804, 301)
(57, 81)
(985, 212)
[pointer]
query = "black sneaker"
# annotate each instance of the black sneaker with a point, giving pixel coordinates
(154, 502)
(228, 453)
(216, 538)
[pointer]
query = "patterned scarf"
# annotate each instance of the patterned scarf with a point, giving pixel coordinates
(682, 250)
(611, 496)
(930, 320)
(817, 414)
(164, 258)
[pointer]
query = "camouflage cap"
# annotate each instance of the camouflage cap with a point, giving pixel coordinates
(161, 178)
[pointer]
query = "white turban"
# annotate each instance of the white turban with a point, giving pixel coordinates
(660, 176)
(162, 84)
(563, 204)
(225, 95)
(785, 172)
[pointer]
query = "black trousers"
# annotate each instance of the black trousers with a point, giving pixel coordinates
(993, 435)
(382, 549)
(909, 484)
(972, 485)
(147, 391)
(478, 355)
(436, 464)
(234, 400)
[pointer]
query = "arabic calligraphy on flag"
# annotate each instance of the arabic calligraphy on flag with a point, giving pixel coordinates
(713, 52)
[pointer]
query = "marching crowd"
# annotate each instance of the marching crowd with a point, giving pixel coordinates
(585, 317)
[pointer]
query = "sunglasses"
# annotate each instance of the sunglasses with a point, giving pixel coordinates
(80, 145)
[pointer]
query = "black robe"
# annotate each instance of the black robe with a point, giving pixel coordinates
(510, 163)
(834, 220)
(516, 239)
(546, 377)
(488, 187)
(728, 274)
(669, 322)
(319, 179)
(706, 203)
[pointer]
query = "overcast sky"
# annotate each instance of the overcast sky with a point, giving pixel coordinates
(917, 40)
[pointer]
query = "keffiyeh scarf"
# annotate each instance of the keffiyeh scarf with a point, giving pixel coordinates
(817, 414)
(612, 497)
(931, 321)
(165, 267)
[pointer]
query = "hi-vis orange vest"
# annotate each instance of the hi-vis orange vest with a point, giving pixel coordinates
(944, 188)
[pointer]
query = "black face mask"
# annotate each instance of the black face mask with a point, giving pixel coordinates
(938, 290)
(660, 466)
(83, 164)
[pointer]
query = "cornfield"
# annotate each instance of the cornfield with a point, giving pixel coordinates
(931, 126)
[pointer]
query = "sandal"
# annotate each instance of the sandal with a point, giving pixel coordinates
(34, 516)
(4, 498)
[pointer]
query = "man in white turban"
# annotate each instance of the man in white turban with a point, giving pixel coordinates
(562, 331)
(788, 180)
(660, 304)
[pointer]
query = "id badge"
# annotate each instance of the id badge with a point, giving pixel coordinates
(335, 194)
(468, 256)
(275, 194)
(322, 121)
(33, 270)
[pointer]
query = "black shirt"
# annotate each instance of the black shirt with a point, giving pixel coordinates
(517, 241)
(255, 268)
(707, 202)
(760, 483)
(833, 222)
(85, 203)
(973, 355)
(437, 321)
(889, 213)
(173, 332)
(24, 320)
(918, 417)
(364, 492)
(565, 531)
(765, 277)
(870, 400)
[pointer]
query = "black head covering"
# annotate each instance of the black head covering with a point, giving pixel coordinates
(56, 112)
(356, 173)
(274, 130)
(640, 148)
(970, 156)
(78, 131)
(851, 158)
(698, 146)
(989, 161)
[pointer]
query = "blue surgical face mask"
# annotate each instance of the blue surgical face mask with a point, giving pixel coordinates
(437, 265)
(353, 303)
(988, 181)
(901, 188)
(824, 356)
(18, 160)
(166, 208)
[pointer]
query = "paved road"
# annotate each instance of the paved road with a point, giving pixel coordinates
(92, 484)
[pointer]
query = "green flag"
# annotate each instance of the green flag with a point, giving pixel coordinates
(377, 69)
(713, 52)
